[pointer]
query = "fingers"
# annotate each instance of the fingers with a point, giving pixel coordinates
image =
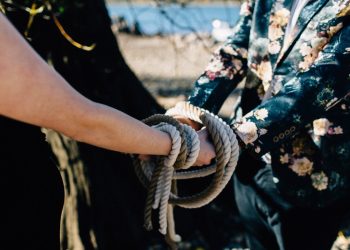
(195, 125)
(207, 150)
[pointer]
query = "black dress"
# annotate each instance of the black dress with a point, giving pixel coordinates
(31, 193)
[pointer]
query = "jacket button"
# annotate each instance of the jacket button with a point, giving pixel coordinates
(275, 139)
(281, 136)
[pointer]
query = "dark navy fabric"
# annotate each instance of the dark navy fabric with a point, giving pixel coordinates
(296, 100)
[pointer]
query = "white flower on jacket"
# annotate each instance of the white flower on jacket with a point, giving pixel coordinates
(247, 131)
(274, 47)
(321, 126)
(278, 20)
(280, 17)
(203, 80)
(319, 181)
(309, 59)
(284, 159)
(305, 49)
(264, 72)
(261, 114)
(245, 9)
(302, 166)
(275, 33)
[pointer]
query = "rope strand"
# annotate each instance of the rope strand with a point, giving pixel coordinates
(159, 174)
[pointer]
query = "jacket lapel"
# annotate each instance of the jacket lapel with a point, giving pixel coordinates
(306, 15)
(279, 18)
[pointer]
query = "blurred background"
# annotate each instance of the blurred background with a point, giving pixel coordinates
(168, 43)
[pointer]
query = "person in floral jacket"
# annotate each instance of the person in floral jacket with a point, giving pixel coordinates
(293, 179)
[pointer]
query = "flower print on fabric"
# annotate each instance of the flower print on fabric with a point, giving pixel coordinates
(301, 146)
(319, 181)
(247, 129)
(317, 35)
(325, 97)
(338, 130)
(226, 63)
(278, 22)
(335, 130)
(295, 92)
(264, 72)
(321, 126)
(246, 9)
(277, 84)
(259, 61)
(274, 47)
(261, 114)
(248, 132)
(284, 159)
(302, 166)
(203, 80)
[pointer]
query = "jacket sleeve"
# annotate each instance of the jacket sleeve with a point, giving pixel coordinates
(306, 97)
(227, 67)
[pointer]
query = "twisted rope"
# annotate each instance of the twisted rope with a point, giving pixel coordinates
(159, 175)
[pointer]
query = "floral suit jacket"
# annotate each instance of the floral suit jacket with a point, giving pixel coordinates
(296, 98)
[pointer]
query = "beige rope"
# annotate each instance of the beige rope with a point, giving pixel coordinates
(160, 173)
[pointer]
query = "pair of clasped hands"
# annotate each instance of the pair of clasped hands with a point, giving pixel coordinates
(207, 150)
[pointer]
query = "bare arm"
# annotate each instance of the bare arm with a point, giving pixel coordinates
(33, 92)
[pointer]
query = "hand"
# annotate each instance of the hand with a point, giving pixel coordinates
(207, 151)
(195, 125)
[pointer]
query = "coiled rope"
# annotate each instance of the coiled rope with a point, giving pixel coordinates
(159, 174)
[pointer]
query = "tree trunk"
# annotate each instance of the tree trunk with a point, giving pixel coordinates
(104, 200)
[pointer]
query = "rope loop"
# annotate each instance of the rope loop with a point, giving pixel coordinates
(159, 175)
